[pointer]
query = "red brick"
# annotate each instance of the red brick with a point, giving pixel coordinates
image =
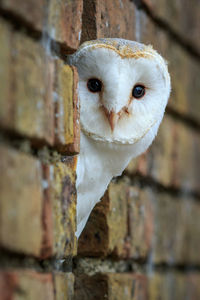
(120, 225)
(28, 100)
(140, 223)
(21, 202)
(5, 74)
(65, 21)
(106, 228)
(158, 285)
(184, 73)
(160, 157)
(183, 68)
(63, 285)
(67, 133)
(47, 215)
(25, 284)
(84, 287)
(33, 12)
(111, 286)
(175, 226)
(26, 97)
(62, 195)
(26, 104)
(183, 17)
(173, 158)
(165, 225)
(45, 224)
(186, 171)
(101, 19)
(59, 209)
(174, 284)
(158, 161)
(132, 226)
(32, 89)
(127, 286)
(61, 20)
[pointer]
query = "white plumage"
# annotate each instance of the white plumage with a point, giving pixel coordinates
(124, 87)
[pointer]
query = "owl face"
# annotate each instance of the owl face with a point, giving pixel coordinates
(123, 88)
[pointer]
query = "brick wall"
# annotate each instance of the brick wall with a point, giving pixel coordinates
(142, 241)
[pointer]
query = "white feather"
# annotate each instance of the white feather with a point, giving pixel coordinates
(104, 153)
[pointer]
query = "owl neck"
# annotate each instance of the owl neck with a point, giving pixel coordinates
(110, 156)
(98, 163)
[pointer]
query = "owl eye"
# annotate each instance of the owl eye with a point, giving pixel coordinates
(94, 85)
(138, 91)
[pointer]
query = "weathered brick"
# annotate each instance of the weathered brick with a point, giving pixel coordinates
(94, 238)
(140, 224)
(5, 73)
(117, 219)
(183, 17)
(45, 224)
(158, 161)
(179, 165)
(27, 78)
(112, 286)
(174, 285)
(33, 12)
(176, 143)
(175, 227)
(63, 201)
(63, 286)
(90, 287)
(32, 89)
(127, 286)
(25, 284)
(138, 165)
(121, 224)
(184, 72)
(101, 19)
(187, 156)
(184, 69)
(21, 201)
(106, 228)
(140, 221)
(65, 21)
(27, 97)
(159, 285)
(67, 108)
(160, 158)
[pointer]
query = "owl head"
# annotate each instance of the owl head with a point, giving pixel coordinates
(124, 87)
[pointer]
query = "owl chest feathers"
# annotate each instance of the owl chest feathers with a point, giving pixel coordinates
(98, 163)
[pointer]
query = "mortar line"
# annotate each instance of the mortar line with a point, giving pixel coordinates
(148, 181)
(29, 146)
(11, 259)
(184, 118)
(128, 264)
(166, 27)
(16, 142)
(19, 24)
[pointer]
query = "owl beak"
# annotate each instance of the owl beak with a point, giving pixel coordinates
(112, 118)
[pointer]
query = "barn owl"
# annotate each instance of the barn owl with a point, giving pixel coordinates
(123, 88)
